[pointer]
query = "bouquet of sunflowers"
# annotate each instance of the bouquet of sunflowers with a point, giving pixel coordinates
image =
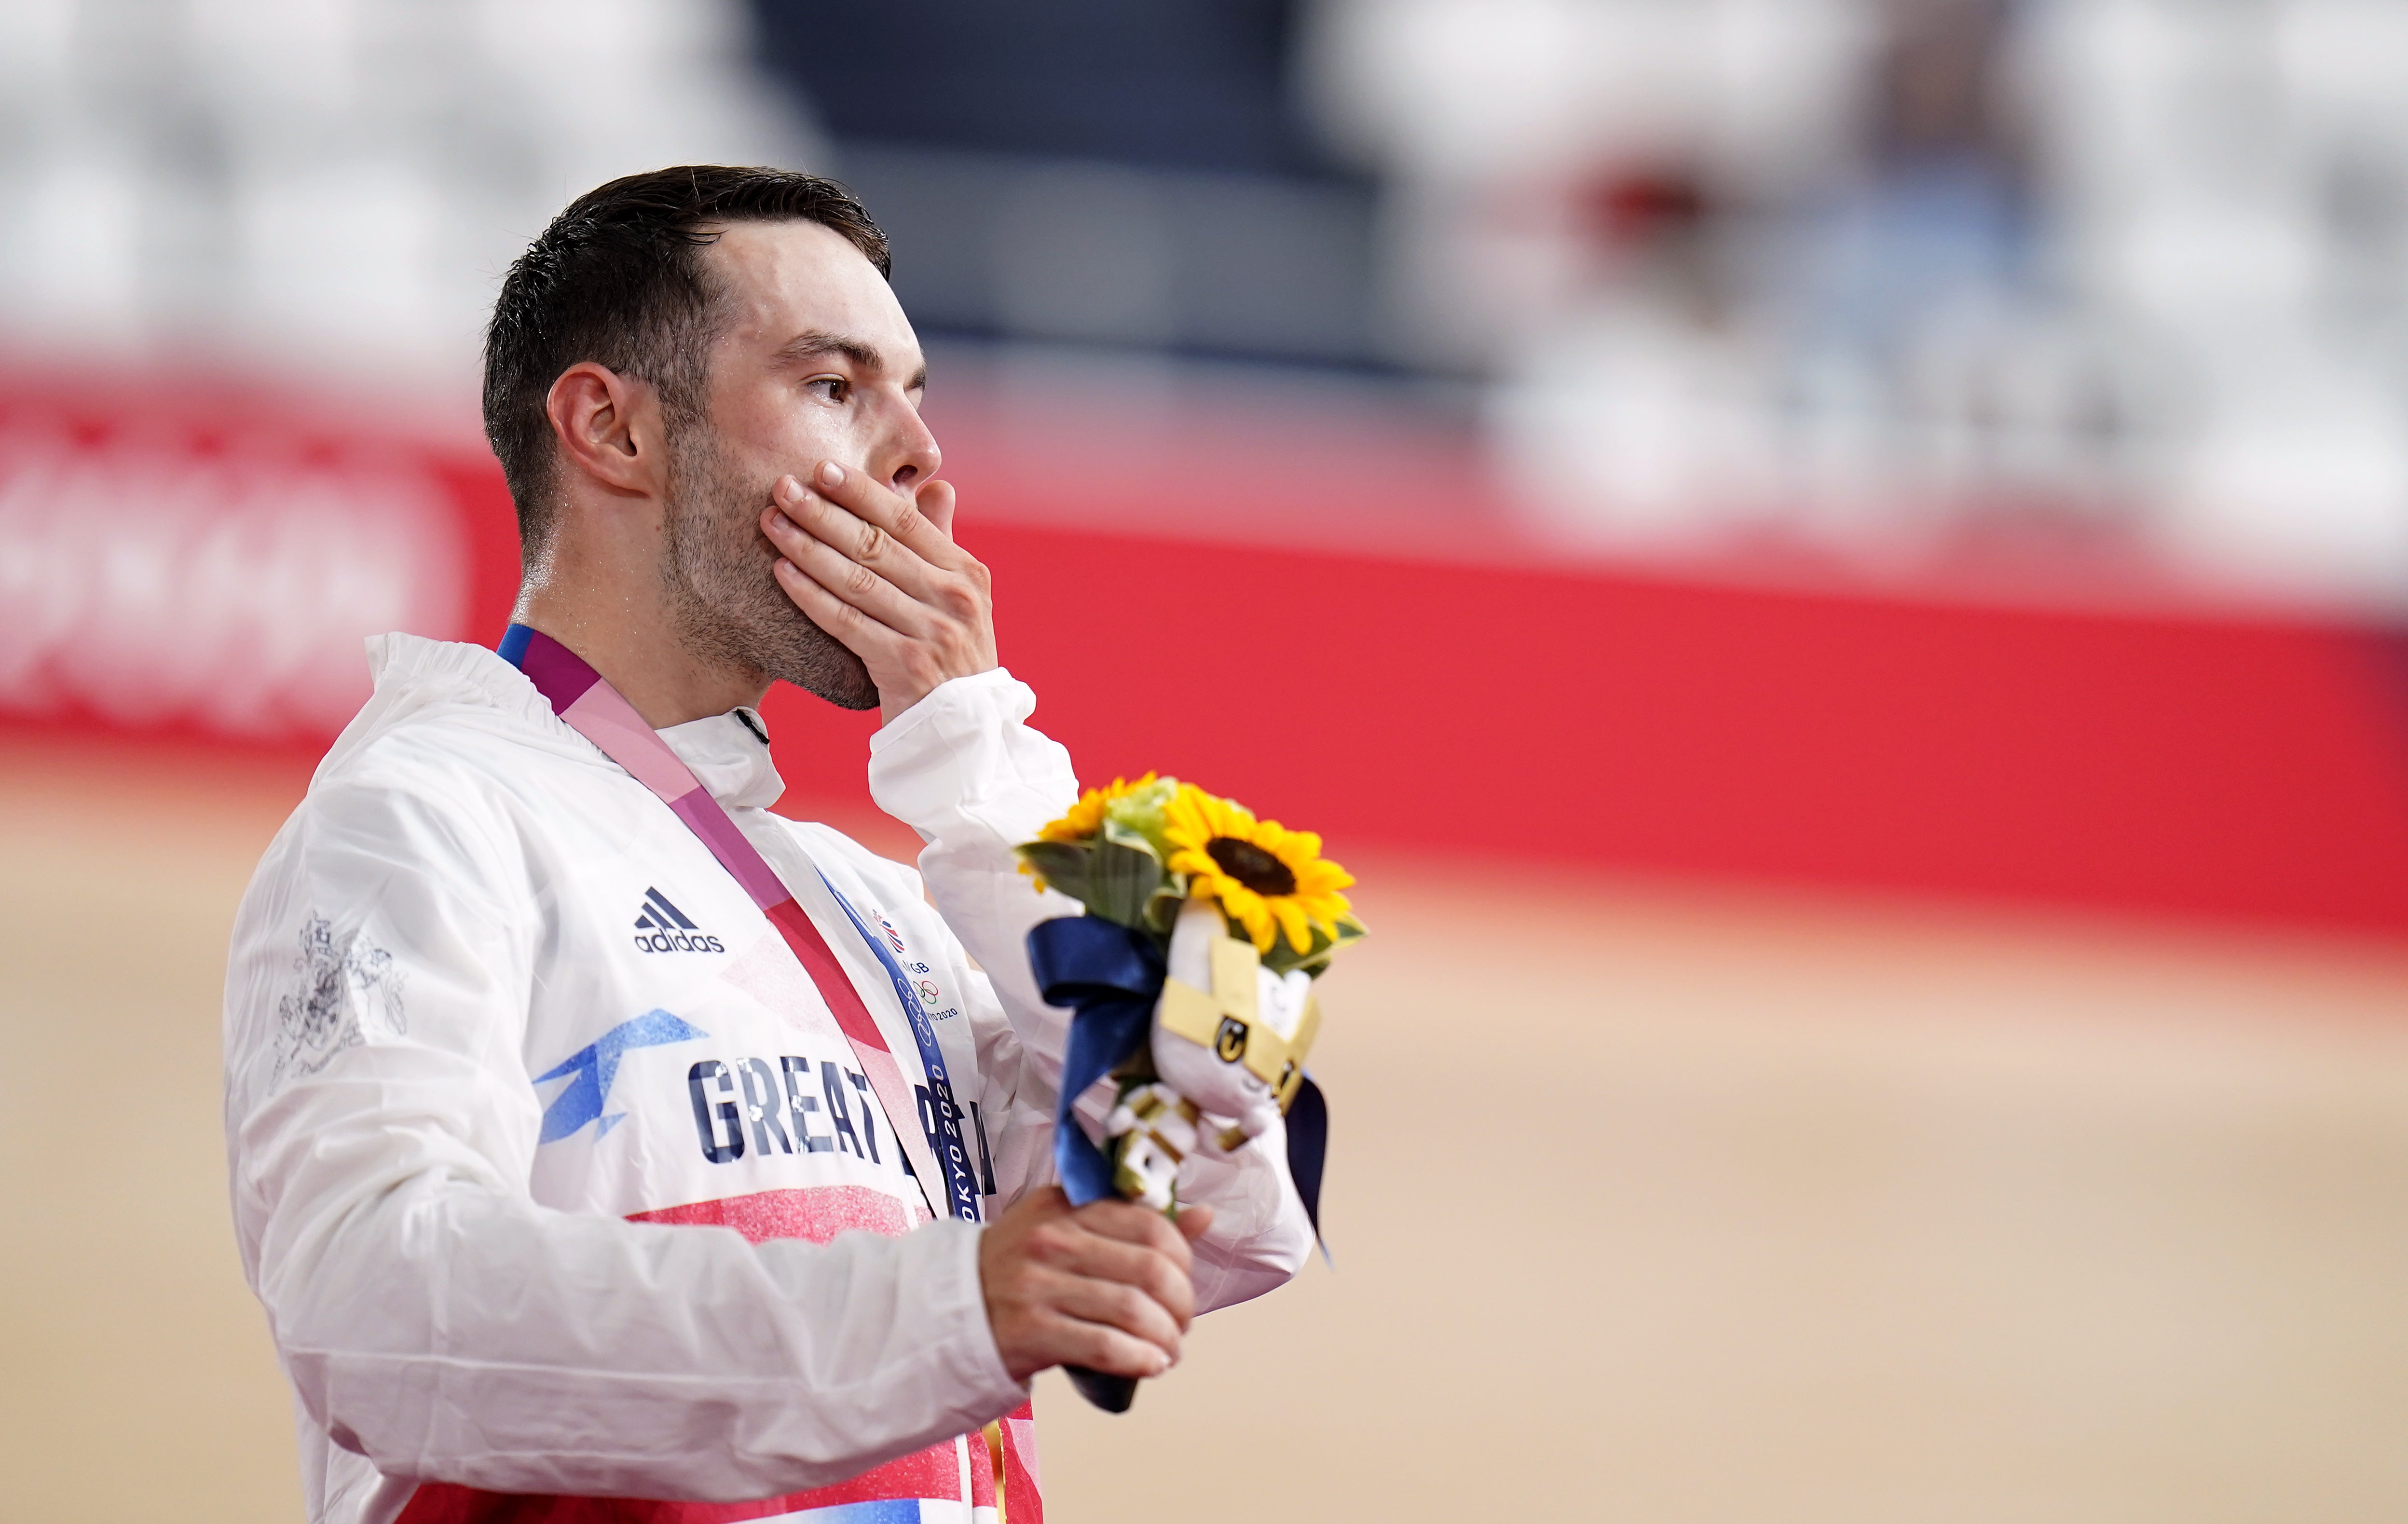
(1190, 977)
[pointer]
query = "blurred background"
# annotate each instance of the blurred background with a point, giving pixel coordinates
(1836, 566)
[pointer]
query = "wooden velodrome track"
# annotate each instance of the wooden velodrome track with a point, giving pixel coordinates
(1649, 1202)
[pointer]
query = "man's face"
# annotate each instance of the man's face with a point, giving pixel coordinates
(814, 361)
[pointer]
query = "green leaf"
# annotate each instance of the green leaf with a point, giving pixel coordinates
(1314, 960)
(1063, 864)
(1162, 908)
(1121, 880)
(1124, 836)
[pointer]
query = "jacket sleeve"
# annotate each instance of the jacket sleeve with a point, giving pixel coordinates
(432, 1316)
(964, 769)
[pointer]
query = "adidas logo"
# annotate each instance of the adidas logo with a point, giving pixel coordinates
(662, 927)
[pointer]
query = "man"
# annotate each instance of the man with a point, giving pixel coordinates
(585, 1145)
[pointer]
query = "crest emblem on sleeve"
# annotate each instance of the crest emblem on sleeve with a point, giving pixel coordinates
(343, 981)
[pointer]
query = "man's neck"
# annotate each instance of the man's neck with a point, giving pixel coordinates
(628, 638)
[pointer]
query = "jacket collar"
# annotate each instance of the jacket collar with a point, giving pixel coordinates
(726, 752)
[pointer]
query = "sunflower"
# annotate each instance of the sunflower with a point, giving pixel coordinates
(1267, 878)
(1086, 817)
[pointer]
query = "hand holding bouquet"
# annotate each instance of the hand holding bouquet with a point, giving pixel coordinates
(1191, 976)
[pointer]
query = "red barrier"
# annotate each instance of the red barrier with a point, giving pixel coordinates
(2249, 769)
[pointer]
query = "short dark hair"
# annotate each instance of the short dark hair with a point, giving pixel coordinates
(617, 279)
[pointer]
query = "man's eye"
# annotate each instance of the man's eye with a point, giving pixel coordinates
(827, 388)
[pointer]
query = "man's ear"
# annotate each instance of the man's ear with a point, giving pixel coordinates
(609, 428)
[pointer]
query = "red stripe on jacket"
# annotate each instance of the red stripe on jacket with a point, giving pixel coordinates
(816, 1214)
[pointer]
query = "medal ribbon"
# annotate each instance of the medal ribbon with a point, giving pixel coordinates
(933, 1145)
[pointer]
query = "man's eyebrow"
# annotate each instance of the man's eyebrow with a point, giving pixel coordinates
(863, 354)
(811, 344)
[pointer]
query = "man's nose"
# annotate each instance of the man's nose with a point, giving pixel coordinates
(907, 455)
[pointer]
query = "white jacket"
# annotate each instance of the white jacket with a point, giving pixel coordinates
(503, 1042)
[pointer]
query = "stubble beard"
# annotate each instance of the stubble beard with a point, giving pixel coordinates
(724, 599)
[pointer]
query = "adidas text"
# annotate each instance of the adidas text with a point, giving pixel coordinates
(662, 927)
(678, 942)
